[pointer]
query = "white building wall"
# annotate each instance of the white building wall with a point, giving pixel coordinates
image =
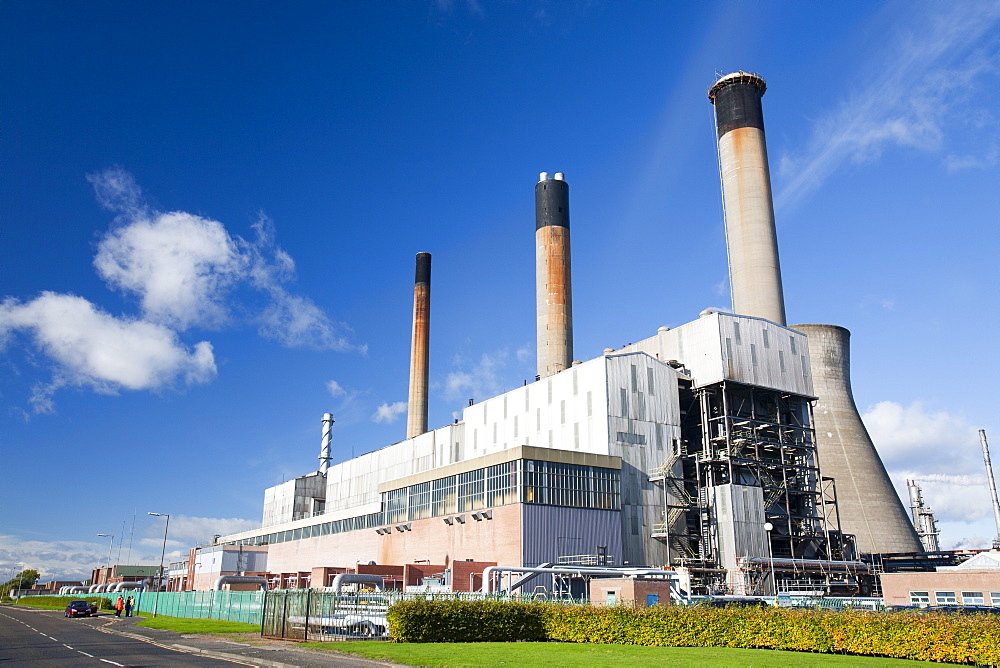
(720, 346)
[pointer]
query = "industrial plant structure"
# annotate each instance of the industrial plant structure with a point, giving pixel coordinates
(728, 449)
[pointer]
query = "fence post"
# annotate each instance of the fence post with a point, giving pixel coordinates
(263, 611)
(308, 599)
(284, 612)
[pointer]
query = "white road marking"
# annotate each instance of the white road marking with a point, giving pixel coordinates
(85, 654)
(67, 646)
(112, 662)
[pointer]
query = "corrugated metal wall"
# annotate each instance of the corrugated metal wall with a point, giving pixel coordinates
(549, 532)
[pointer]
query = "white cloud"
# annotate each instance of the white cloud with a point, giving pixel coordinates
(389, 412)
(95, 349)
(942, 452)
(74, 560)
(335, 389)
(180, 265)
(482, 380)
(921, 86)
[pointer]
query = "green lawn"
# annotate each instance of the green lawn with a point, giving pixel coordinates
(568, 654)
(182, 625)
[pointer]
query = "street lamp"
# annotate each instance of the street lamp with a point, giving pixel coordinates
(159, 583)
(768, 527)
(111, 546)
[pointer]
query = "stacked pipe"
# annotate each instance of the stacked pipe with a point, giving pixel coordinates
(416, 417)
(554, 294)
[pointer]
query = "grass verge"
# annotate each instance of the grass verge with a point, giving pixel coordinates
(183, 625)
(454, 655)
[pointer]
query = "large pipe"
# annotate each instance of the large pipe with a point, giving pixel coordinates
(223, 580)
(574, 571)
(416, 417)
(324, 452)
(754, 272)
(869, 506)
(993, 486)
(554, 294)
(342, 579)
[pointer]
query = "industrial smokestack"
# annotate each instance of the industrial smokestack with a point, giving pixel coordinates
(554, 295)
(754, 272)
(869, 506)
(324, 452)
(416, 417)
(993, 486)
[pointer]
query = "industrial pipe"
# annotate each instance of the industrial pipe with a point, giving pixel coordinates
(553, 284)
(576, 571)
(324, 452)
(357, 578)
(416, 415)
(239, 579)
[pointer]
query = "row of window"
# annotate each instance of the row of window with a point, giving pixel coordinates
(949, 598)
(524, 481)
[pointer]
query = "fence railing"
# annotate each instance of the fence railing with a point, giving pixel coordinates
(233, 606)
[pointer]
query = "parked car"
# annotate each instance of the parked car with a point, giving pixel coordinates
(736, 602)
(963, 609)
(80, 609)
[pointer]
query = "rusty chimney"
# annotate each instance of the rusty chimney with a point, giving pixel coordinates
(416, 417)
(554, 296)
(754, 272)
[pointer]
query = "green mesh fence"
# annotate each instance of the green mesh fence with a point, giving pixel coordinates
(233, 606)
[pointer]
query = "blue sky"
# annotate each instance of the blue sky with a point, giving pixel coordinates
(305, 152)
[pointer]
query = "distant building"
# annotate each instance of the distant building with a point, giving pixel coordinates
(974, 582)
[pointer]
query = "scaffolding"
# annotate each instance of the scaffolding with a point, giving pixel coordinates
(738, 434)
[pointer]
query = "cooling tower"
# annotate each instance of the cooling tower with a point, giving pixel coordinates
(416, 415)
(554, 296)
(754, 272)
(869, 506)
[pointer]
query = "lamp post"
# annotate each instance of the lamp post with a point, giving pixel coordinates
(768, 527)
(111, 546)
(163, 550)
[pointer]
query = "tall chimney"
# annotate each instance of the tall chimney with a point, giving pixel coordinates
(993, 486)
(869, 506)
(754, 273)
(554, 295)
(416, 417)
(324, 453)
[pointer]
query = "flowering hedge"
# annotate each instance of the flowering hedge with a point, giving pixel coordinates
(965, 639)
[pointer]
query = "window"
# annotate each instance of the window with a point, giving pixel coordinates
(575, 387)
(945, 598)
(972, 598)
(791, 340)
(515, 426)
(781, 360)
(538, 419)
(729, 348)
(767, 341)
(635, 381)
(995, 598)
(753, 354)
(736, 333)
(550, 391)
(576, 435)
(805, 366)
(624, 399)
(920, 598)
(562, 412)
(590, 405)
(640, 405)
(649, 381)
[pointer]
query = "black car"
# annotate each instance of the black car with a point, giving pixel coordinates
(80, 609)
(963, 609)
(736, 602)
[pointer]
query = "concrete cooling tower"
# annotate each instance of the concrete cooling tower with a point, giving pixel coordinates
(869, 506)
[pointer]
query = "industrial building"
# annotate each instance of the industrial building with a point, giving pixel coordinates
(728, 449)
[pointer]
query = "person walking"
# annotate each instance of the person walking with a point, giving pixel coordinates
(119, 606)
(129, 604)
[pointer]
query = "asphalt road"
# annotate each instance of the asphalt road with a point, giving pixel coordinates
(46, 638)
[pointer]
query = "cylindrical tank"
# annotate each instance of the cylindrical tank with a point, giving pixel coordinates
(869, 506)
(554, 295)
(416, 416)
(754, 272)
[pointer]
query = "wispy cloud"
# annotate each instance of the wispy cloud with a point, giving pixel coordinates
(185, 271)
(335, 389)
(921, 85)
(388, 413)
(74, 560)
(919, 444)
